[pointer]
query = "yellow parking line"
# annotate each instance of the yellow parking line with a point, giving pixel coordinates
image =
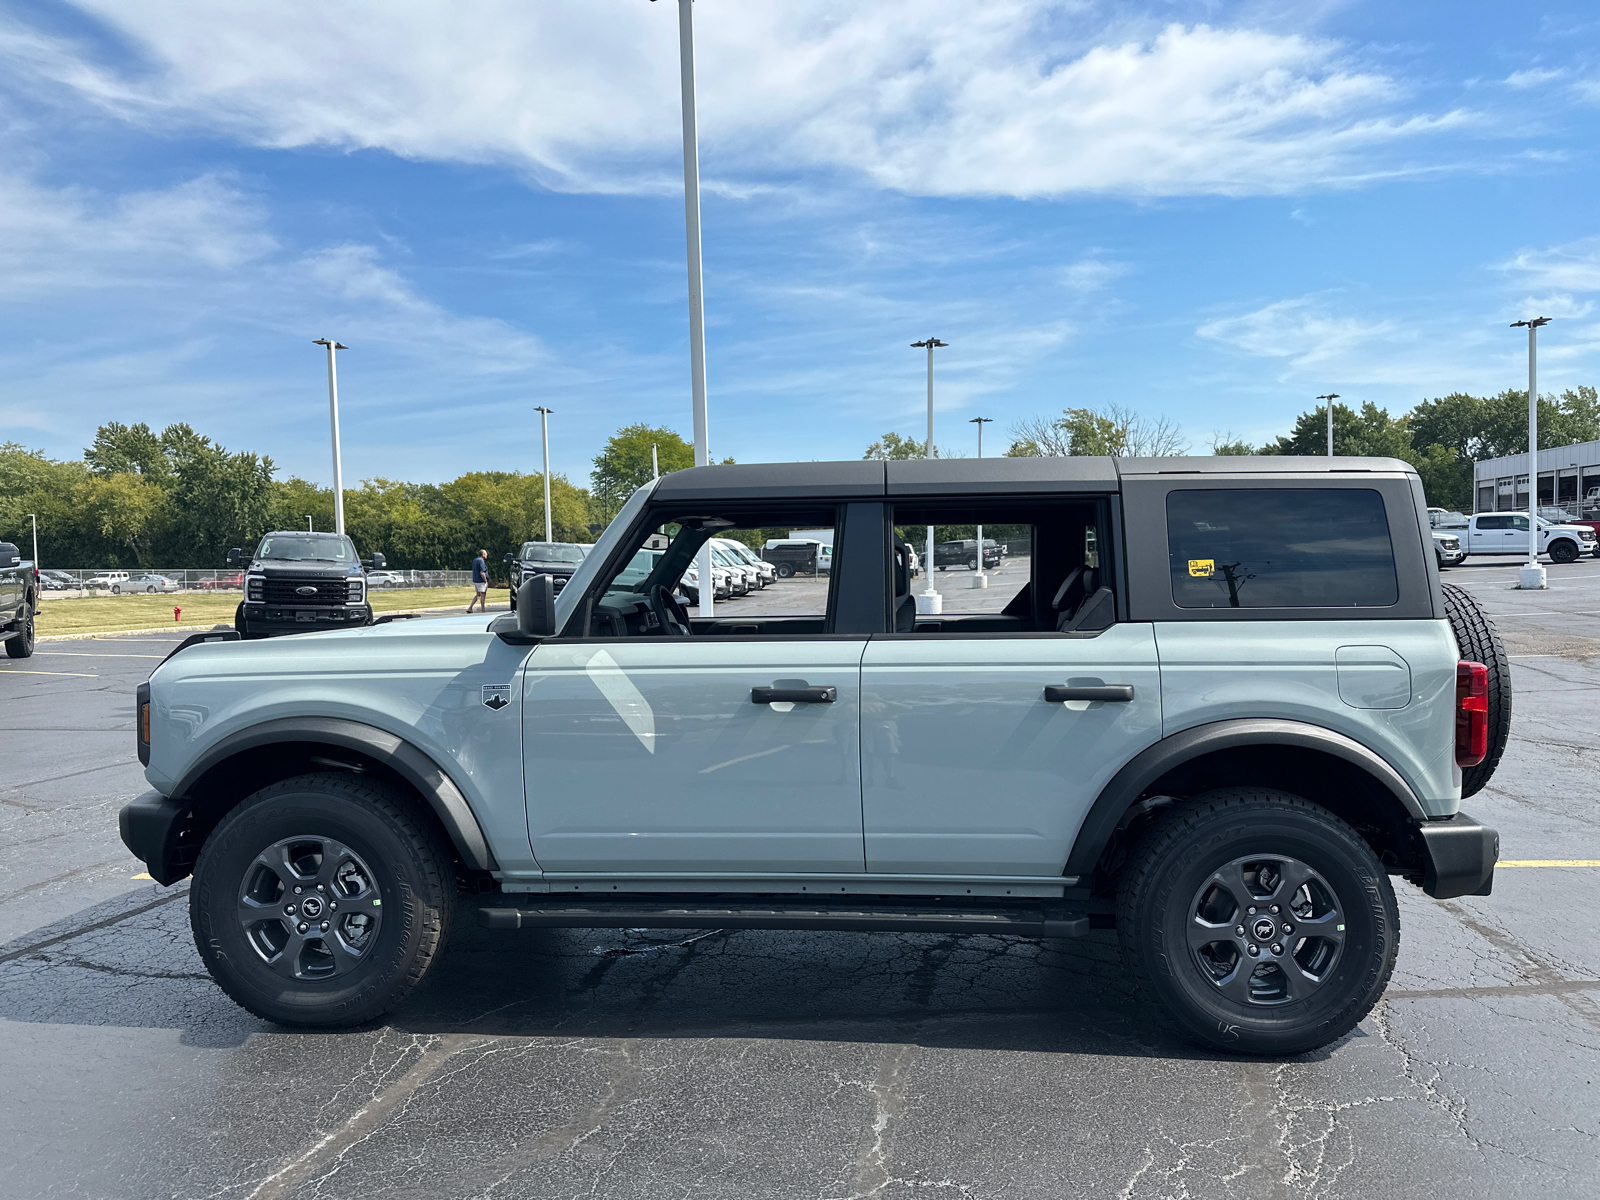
(1548, 862)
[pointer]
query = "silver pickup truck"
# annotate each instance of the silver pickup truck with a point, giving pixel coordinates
(1216, 706)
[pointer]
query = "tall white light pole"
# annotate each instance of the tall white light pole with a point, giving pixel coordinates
(310, 528)
(333, 418)
(544, 427)
(930, 601)
(697, 311)
(35, 521)
(980, 579)
(1330, 398)
(655, 463)
(1532, 575)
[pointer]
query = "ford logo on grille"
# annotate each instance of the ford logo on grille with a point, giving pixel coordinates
(308, 590)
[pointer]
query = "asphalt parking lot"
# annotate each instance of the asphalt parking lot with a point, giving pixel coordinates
(761, 1064)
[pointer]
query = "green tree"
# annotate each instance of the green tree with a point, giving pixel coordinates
(892, 446)
(129, 512)
(1370, 433)
(219, 500)
(133, 449)
(1115, 431)
(623, 467)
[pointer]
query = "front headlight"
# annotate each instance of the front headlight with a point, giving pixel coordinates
(357, 591)
(255, 588)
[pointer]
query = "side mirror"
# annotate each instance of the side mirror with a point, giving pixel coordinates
(536, 607)
(509, 558)
(377, 562)
(234, 556)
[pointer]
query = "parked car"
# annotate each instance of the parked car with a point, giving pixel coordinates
(1507, 533)
(1446, 518)
(743, 579)
(385, 579)
(57, 581)
(765, 572)
(112, 581)
(301, 582)
(151, 583)
(555, 559)
(1447, 548)
(19, 601)
(965, 554)
(1247, 705)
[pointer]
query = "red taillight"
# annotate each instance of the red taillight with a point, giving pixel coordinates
(1472, 713)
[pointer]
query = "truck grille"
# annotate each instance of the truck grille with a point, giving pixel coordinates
(330, 592)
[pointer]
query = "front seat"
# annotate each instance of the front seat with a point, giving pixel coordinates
(1081, 603)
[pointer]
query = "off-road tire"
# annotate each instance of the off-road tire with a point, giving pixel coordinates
(1479, 642)
(1174, 860)
(413, 876)
(21, 646)
(1563, 550)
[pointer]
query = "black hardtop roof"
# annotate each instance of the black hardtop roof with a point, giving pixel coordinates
(870, 478)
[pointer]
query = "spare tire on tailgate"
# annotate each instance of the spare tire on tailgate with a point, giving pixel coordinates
(1476, 636)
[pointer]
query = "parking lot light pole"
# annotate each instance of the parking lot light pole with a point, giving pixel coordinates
(310, 528)
(35, 521)
(1330, 398)
(333, 417)
(980, 579)
(930, 601)
(544, 426)
(1532, 576)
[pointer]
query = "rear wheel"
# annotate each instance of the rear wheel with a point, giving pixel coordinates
(321, 901)
(785, 570)
(116, 589)
(1261, 922)
(21, 644)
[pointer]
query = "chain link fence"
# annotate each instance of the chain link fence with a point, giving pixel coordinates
(75, 581)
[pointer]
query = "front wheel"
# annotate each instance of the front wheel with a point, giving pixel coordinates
(321, 901)
(1261, 922)
(116, 589)
(1563, 551)
(785, 570)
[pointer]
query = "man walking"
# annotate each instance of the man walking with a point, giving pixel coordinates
(480, 582)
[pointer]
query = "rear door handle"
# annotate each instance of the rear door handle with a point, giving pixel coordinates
(1057, 693)
(802, 695)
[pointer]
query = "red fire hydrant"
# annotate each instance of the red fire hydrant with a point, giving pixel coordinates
(177, 614)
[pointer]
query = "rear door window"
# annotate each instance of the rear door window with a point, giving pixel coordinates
(1280, 548)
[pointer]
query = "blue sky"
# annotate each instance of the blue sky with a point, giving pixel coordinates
(1207, 212)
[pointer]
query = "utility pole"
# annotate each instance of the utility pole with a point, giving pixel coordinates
(655, 463)
(544, 427)
(1532, 575)
(697, 312)
(35, 521)
(310, 528)
(980, 579)
(333, 418)
(930, 601)
(1330, 398)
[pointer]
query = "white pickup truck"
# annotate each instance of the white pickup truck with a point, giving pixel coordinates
(1507, 533)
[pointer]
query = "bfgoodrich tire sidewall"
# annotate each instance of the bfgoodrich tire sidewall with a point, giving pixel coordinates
(1362, 970)
(364, 992)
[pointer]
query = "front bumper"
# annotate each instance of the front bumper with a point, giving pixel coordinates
(271, 618)
(156, 829)
(1458, 857)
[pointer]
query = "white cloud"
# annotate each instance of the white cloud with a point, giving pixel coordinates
(1092, 274)
(1298, 330)
(1016, 97)
(1532, 77)
(1573, 267)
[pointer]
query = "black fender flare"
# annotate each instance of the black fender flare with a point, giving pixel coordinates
(1150, 764)
(394, 752)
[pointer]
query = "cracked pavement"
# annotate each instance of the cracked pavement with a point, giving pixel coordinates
(621, 1063)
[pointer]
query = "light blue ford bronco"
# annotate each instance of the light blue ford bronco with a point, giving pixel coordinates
(1214, 704)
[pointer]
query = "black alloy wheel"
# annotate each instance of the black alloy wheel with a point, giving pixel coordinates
(1563, 550)
(21, 644)
(1261, 922)
(322, 901)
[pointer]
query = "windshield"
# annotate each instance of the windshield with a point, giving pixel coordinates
(552, 552)
(612, 534)
(741, 551)
(300, 548)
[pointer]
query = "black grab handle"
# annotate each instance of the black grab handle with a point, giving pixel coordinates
(801, 695)
(1118, 693)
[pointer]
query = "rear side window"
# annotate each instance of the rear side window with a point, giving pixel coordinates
(1280, 548)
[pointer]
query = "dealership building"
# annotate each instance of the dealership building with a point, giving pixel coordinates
(1568, 476)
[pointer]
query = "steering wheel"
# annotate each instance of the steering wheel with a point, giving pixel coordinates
(674, 620)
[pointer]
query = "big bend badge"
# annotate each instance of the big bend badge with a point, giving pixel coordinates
(496, 695)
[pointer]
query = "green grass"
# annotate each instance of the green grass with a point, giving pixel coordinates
(202, 610)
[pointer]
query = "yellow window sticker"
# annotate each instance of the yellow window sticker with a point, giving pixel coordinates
(1202, 568)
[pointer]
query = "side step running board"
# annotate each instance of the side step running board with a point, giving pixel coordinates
(1039, 920)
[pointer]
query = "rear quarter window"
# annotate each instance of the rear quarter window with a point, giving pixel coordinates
(1280, 548)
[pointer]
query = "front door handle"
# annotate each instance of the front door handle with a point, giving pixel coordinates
(800, 695)
(1120, 693)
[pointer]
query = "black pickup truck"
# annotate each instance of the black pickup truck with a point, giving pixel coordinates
(300, 582)
(19, 601)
